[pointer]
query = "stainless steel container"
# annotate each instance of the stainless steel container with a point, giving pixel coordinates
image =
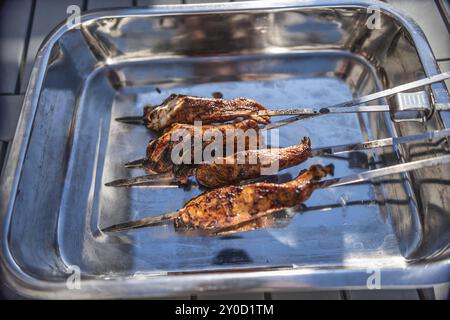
(288, 53)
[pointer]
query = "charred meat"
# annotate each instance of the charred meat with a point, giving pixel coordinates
(230, 208)
(250, 164)
(187, 109)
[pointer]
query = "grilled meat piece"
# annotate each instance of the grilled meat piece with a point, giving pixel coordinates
(159, 151)
(232, 207)
(187, 109)
(250, 163)
(269, 220)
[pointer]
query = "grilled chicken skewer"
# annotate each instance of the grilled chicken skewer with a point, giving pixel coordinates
(277, 218)
(222, 209)
(230, 206)
(188, 109)
(159, 149)
(231, 209)
(247, 165)
(224, 172)
(230, 170)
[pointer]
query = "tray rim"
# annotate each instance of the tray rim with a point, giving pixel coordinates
(164, 285)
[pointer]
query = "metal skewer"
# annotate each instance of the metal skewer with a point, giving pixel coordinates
(145, 222)
(139, 163)
(316, 112)
(389, 92)
(162, 179)
(284, 122)
(336, 182)
(156, 180)
(376, 173)
(131, 119)
(339, 110)
(387, 142)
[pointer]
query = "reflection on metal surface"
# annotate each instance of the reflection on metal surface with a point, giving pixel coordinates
(53, 201)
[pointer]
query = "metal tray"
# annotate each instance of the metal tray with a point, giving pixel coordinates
(292, 53)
